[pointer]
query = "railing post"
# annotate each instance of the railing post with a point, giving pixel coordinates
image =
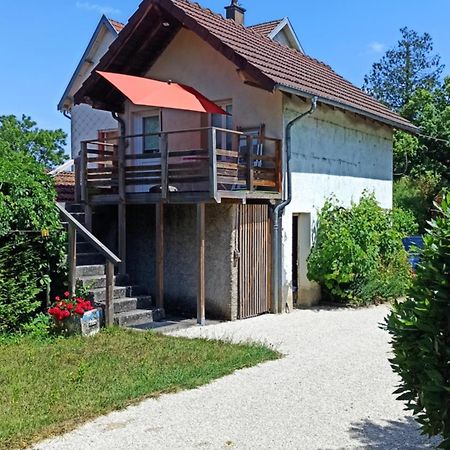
(109, 303)
(121, 209)
(250, 165)
(77, 189)
(212, 152)
(72, 257)
(164, 150)
(278, 166)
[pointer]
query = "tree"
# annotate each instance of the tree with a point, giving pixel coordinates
(46, 146)
(409, 66)
(420, 334)
(28, 260)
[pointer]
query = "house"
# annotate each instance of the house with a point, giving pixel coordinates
(216, 212)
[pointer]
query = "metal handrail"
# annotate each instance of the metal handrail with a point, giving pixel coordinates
(105, 251)
(111, 260)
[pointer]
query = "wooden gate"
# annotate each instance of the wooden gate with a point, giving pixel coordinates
(254, 244)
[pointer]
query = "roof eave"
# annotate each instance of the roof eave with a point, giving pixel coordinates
(392, 123)
(104, 21)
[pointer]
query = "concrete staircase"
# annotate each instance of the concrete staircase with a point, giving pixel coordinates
(132, 304)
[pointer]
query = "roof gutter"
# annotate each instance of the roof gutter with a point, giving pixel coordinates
(392, 123)
(277, 212)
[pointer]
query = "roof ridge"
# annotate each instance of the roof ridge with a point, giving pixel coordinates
(266, 23)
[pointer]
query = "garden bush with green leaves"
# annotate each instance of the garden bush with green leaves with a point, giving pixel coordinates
(28, 261)
(358, 256)
(420, 330)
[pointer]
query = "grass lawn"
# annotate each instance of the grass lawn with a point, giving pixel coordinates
(49, 387)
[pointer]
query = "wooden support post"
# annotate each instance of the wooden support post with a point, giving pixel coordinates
(109, 304)
(77, 189)
(83, 173)
(250, 164)
(121, 209)
(72, 257)
(201, 263)
(212, 151)
(122, 236)
(159, 242)
(164, 149)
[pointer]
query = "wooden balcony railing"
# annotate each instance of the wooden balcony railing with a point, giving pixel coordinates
(212, 161)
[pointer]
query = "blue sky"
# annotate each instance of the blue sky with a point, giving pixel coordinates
(41, 42)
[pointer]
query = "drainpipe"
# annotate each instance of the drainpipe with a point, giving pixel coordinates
(121, 123)
(277, 212)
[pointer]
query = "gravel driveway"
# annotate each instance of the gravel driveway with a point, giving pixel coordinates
(332, 390)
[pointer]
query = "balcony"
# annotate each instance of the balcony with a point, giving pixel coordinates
(188, 166)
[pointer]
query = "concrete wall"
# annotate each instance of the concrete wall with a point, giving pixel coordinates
(333, 154)
(181, 262)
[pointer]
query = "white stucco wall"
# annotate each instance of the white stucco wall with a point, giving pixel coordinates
(85, 124)
(333, 153)
(86, 121)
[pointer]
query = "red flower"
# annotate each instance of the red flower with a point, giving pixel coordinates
(57, 298)
(67, 294)
(79, 310)
(70, 306)
(65, 313)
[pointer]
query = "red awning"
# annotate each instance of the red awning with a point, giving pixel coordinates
(148, 92)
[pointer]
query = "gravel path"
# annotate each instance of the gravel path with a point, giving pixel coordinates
(332, 390)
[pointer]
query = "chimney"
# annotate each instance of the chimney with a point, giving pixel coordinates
(235, 12)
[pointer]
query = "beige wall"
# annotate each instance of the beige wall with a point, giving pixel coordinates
(189, 60)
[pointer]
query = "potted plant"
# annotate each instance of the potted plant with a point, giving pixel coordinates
(75, 315)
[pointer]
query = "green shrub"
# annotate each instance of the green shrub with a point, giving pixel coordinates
(404, 222)
(415, 193)
(28, 261)
(358, 256)
(420, 330)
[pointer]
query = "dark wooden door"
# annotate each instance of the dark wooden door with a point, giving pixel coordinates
(254, 244)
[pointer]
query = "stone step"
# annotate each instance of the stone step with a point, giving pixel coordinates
(74, 207)
(94, 281)
(90, 270)
(91, 258)
(84, 247)
(130, 304)
(119, 292)
(80, 216)
(137, 317)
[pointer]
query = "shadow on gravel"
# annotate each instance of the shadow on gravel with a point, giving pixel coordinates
(392, 435)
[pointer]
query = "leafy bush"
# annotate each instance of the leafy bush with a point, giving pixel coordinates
(420, 333)
(404, 222)
(28, 261)
(358, 256)
(416, 194)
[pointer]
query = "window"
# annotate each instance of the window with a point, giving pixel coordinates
(151, 124)
(224, 140)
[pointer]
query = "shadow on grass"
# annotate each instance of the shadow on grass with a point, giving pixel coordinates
(391, 435)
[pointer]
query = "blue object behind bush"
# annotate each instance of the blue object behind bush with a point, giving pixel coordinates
(414, 246)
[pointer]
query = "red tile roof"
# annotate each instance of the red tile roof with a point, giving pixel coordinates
(65, 186)
(290, 69)
(265, 28)
(118, 26)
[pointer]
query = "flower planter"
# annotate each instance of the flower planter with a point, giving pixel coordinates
(86, 325)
